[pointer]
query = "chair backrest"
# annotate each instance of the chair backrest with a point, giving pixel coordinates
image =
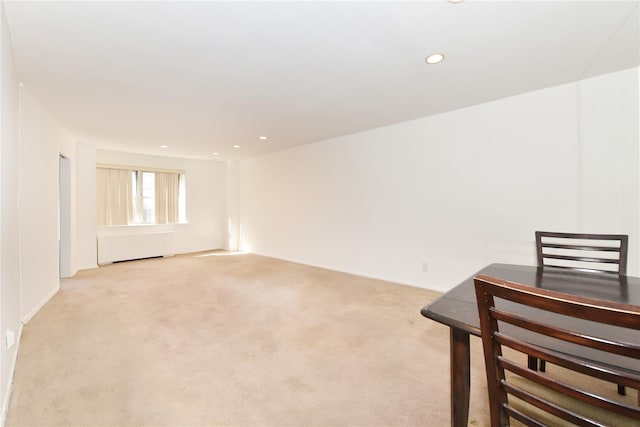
(593, 252)
(569, 394)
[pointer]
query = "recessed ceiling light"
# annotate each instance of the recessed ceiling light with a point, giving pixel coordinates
(164, 146)
(236, 146)
(455, 1)
(21, 84)
(215, 154)
(434, 58)
(263, 138)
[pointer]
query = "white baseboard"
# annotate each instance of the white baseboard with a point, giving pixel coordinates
(12, 370)
(358, 273)
(37, 308)
(73, 273)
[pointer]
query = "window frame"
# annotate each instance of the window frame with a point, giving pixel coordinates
(137, 194)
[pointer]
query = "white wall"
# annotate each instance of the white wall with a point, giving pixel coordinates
(609, 153)
(206, 192)
(9, 216)
(458, 190)
(233, 208)
(42, 140)
(87, 256)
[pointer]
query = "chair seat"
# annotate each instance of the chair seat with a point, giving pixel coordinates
(589, 411)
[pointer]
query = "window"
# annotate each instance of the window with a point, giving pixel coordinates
(144, 190)
(139, 196)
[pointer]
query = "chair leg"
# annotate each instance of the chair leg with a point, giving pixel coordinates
(532, 363)
(543, 365)
(621, 390)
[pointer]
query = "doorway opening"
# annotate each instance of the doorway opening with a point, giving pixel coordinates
(64, 216)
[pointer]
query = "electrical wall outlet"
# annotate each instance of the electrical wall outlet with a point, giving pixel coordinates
(425, 266)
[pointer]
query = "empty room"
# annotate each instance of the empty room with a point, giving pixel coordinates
(295, 213)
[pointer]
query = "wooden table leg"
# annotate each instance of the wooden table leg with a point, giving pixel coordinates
(460, 377)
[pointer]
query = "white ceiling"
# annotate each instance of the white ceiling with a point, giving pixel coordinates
(202, 76)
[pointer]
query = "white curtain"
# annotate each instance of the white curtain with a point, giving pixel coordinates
(114, 198)
(167, 192)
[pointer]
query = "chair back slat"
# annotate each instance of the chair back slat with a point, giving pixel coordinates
(567, 335)
(517, 392)
(548, 406)
(583, 259)
(582, 247)
(571, 390)
(593, 252)
(610, 374)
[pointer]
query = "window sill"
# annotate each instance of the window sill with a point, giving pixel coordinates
(122, 230)
(109, 227)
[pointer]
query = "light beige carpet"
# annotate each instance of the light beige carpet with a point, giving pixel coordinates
(212, 339)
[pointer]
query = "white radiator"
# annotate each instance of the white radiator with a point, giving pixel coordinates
(134, 246)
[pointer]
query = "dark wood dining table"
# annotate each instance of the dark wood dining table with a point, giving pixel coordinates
(457, 309)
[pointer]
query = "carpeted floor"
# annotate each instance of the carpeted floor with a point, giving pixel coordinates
(217, 339)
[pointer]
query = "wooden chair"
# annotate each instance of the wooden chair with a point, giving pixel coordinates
(605, 253)
(535, 399)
